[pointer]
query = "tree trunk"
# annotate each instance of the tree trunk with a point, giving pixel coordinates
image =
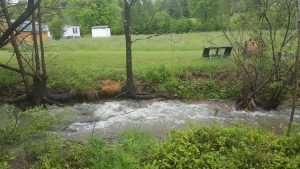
(40, 80)
(36, 57)
(44, 69)
(295, 74)
(129, 71)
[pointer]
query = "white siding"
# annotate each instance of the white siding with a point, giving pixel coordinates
(100, 31)
(70, 32)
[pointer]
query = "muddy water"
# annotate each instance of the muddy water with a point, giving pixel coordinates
(110, 118)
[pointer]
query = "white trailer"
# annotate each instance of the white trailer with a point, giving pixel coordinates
(101, 31)
(70, 32)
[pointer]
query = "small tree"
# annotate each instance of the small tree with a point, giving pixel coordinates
(56, 28)
(265, 75)
(130, 88)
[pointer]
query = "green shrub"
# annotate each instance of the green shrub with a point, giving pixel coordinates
(212, 89)
(63, 156)
(27, 132)
(56, 28)
(181, 26)
(161, 23)
(125, 153)
(158, 75)
(237, 147)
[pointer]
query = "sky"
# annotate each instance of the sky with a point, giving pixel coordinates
(13, 1)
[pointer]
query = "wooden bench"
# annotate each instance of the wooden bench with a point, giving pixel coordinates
(226, 51)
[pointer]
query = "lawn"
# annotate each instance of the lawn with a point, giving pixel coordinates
(81, 63)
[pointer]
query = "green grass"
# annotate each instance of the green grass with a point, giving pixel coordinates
(174, 42)
(81, 63)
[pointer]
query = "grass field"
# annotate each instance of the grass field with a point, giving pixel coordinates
(81, 63)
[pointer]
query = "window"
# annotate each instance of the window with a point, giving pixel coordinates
(75, 31)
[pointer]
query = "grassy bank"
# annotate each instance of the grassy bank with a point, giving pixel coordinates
(81, 64)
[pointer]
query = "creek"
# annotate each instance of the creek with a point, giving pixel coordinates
(110, 118)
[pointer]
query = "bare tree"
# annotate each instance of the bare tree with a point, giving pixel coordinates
(36, 90)
(265, 76)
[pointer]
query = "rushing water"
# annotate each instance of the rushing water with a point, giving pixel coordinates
(109, 118)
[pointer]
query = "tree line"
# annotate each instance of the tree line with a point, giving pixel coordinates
(148, 16)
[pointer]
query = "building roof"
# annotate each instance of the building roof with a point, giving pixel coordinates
(27, 27)
(100, 27)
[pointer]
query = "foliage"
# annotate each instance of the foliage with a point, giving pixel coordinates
(206, 10)
(89, 13)
(201, 84)
(21, 128)
(237, 147)
(181, 26)
(56, 28)
(25, 133)
(172, 7)
(208, 147)
(141, 16)
(266, 73)
(18, 8)
(158, 75)
(98, 154)
(211, 15)
(160, 23)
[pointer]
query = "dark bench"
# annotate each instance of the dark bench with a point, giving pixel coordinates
(226, 51)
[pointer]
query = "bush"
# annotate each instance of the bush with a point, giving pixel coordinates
(237, 147)
(181, 25)
(21, 128)
(158, 75)
(220, 23)
(161, 23)
(98, 154)
(56, 28)
(26, 132)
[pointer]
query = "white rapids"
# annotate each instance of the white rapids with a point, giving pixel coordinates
(110, 118)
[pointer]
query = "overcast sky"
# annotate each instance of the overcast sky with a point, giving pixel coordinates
(13, 1)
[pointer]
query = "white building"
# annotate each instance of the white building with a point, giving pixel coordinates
(101, 31)
(70, 32)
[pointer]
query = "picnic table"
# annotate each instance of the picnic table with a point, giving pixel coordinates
(221, 51)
